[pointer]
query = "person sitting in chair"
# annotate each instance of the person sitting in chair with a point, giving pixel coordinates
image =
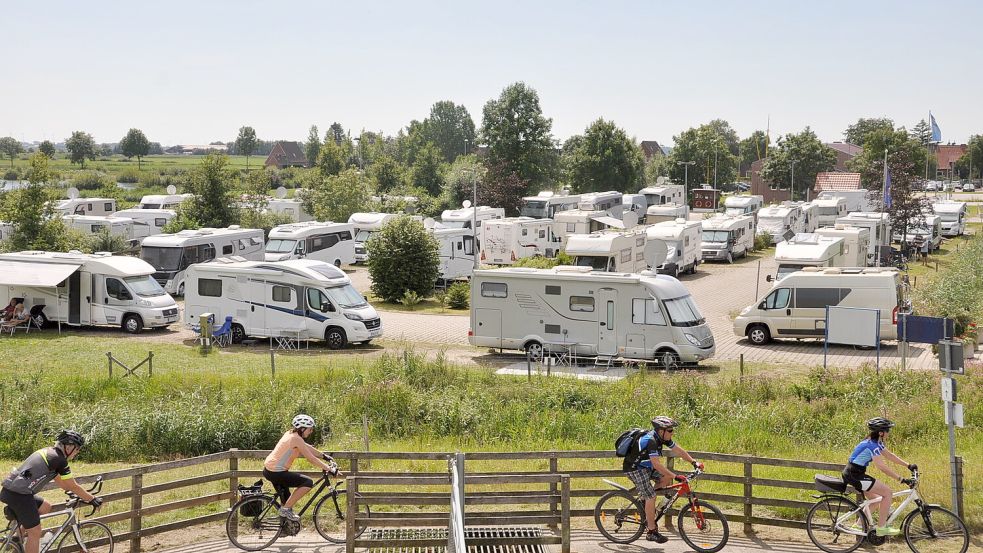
(19, 316)
(8, 312)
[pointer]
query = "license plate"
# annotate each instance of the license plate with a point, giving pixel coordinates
(375, 333)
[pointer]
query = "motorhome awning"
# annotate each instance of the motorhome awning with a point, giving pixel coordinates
(26, 273)
(610, 221)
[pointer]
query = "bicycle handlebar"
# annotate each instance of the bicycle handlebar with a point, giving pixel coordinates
(74, 500)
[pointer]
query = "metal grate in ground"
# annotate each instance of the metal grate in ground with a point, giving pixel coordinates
(383, 534)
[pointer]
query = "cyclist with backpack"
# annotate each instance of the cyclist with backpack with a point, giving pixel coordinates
(643, 465)
(276, 467)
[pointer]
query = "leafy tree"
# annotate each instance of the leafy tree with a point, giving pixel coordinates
(707, 146)
(386, 174)
(47, 148)
(313, 147)
(10, 147)
(450, 128)
(498, 188)
(604, 158)
(459, 178)
(135, 143)
(212, 182)
(519, 138)
(156, 149)
(810, 157)
(752, 149)
(403, 257)
(427, 172)
(336, 197)
(971, 163)
(857, 133)
(336, 133)
(333, 157)
(656, 167)
(31, 212)
(371, 147)
(81, 146)
(246, 143)
(410, 141)
(922, 132)
(104, 241)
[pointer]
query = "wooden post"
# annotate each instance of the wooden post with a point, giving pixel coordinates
(350, 513)
(150, 365)
(233, 488)
(272, 361)
(748, 490)
(109, 357)
(365, 436)
(742, 367)
(960, 510)
(136, 504)
(554, 466)
(565, 513)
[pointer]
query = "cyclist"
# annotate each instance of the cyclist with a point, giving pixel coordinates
(21, 486)
(642, 469)
(276, 468)
(873, 450)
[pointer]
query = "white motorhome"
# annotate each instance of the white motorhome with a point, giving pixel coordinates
(172, 254)
(463, 218)
(612, 251)
(663, 194)
(367, 224)
(86, 289)
(683, 240)
(163, 201)
(644, 316)
(666, 212)
(95, 224)
(147, 222)
(609, 201)
(809, 219)
(6, 229)
(576, 221)
(807, 250)
(743, 204)
(291, 207)
(828, 210)
(929, 228)
(546, 204)
(456, 252)
(635, 203)
(513, 238)
(879, 225)
(856, 243)
(856, 200)
(776, 220)
(726, 238)
(796, 306)
(329, 242)
(86, 206)
(953, 215)
(302, 299)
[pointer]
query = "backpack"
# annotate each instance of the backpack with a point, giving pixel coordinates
(626, 445)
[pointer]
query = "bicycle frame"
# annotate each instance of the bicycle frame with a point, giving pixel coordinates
(911, 495)
(682, 489)
(318, 488)
(71, 521)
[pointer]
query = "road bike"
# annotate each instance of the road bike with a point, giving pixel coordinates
(89, 536)
(254, 522)
(837, 524)
(620, 516)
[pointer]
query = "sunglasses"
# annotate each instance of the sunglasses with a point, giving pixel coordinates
(669, 430)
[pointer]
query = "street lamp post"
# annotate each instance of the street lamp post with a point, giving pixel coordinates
(686, 165)
(791, 187)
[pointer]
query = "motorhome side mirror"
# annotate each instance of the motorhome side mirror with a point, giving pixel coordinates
(761, 306)
(324, 307)
(768, 278)
(331, 308)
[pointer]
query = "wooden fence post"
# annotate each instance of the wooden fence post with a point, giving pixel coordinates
(960, 509)
(233, 487)
(136, 504)
(565, 513)
(554, 467)
(150, 365)
(350, 514)
(748, 491)
(109, 357)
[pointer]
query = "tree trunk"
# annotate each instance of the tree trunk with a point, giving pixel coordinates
(139, 164)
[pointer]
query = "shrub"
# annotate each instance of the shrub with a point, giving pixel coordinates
(410, 299)
(403, 257)
(90, 180)
(129, 175)
(106, 242)
(762, 241)
(11, 174)
(539, 262)
(459, 295)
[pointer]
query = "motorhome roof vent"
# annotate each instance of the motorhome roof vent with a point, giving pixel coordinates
(840, 226)
(237, 258)
(681, 221)
(573, 269)
(32, 252)
(103, 254)
(853, 270)
(234, 227)
(224, 260)
(812, 269)
(833, 271)
(187, 232)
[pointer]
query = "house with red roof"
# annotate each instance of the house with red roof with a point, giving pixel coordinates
(946, 156)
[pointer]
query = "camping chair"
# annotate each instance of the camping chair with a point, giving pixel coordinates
(13, 324)
(223, 334)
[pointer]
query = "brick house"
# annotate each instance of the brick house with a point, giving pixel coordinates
(286, 154)
(651, 148)
(946, 156)
(844, 153)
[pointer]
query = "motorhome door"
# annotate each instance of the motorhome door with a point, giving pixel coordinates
(75, 298)
(607, 335)
(489, 324)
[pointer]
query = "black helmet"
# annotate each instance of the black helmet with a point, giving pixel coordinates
(71, 437)
(663, 421)
(879, 424)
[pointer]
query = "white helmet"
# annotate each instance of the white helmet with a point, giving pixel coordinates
(303, 421)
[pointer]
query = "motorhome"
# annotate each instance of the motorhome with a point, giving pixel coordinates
(609, 201)
(329, 242)
(513, 238)
(665, 212)
(163, 201)
(776, 220)
(91, 225)
(291, 207)
(147, 222)
(86, 289)
(856, 243)
(6, 229)
(300, 299)
(929, 228)
(572, 309)
(683, 240)
(879, 225)
(576, 221)
(807, 250)
(172, 254)
(796, 306)
(809, 222)
(743, 204)
(856, 200)
(953, 215)
(463, 218)
(86, 206)
(456, 251)
(828, 210)
(547, 204)
(616, 251)
(634, 203)
(726, 238)
(663, 194)
(367, 224)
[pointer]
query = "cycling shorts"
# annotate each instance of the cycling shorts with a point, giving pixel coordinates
(862, 482)
(24, 507)
(287, 479)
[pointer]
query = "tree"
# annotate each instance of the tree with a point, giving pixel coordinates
(333, 157)
(518, 137)
(403, 257)
(450, 128)
(81, 146)
(135, 143)
(922, 132)
(496, 187)
(712, 146)
(336, 197)
(752, 149)
(212, 182)
(857, 133)
(810, 157)
(336, 133)
(31, 212)
(386, 174)
(459, 178)
(313, 147)
(47, 148)
(604, 158)
(10, 147)
(427, 172)
(971, 163)
(246, 143)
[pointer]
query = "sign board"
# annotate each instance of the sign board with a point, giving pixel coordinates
(924, 330)
(951, 356)
(788, 235)
(948, 389)
(853, 326)
(957, 415)
(705, 199)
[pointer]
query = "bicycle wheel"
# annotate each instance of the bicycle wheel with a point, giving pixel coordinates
(329, 517)
(703, 527)
(11, 547)
(620, 517)
(258, 528)
(827, 521)
(936, 530)
(89, 537)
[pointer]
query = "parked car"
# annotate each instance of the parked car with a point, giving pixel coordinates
(969, 187)
(930, 186)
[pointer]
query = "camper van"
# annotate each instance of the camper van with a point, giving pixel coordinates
(86, 206)
(776, 220)
(609, 201)
(576, 221)
(367, 224)
(683, 240)
(546, 204)
(301, 299)
(609, 315)
(807, 250)
(456, 251)
(726, 238)
(856, 243)
(879, 225)
(929, 228)
(856, 200)
(953, 215)
(172, 254)
(462, 218)
(809, 221)
(290, 207)
(513, 238)
(147, 222)
(329, 242)
(663, 194)
(828, 210)
(665, 212)
(86, 289)
(743, 204)
(163, 201)
(796, 306)
(616, 251)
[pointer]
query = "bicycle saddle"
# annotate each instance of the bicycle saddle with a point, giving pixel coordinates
(826, 483)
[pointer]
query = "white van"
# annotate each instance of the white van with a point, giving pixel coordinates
(163, 201)
(329, 242)
(807, 250)
(634, 316)
(856, 243)
(147, 222)
(828, 210)
(743, 204)
(665, 212)
(776, 220)
(663, 194)
(546, 204)
(172, 254)
(879, 225)
(301, 299)
(367, 224)
(953, 215)
(456, 252)
(86, 206)
(726, 238)
(95, 224)
(796, 306)
(512, 238)
(616, 251)
(86, 289)
(683, 240)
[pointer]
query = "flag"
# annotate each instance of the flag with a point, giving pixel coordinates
(936, 131)
(887, 187)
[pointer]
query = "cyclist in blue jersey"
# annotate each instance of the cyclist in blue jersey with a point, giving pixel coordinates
(874, 450)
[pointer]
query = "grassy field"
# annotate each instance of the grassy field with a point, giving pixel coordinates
(118, 163)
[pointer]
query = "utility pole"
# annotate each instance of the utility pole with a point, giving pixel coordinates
(791, 186)
(686, 165)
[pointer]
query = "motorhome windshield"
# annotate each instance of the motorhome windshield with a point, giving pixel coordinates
(346, 296)
(597, 262)
(786, 269)
(363, 235)
(828, 210)
(149, 206)
(716, 236)
(736, 211)
(280, 246)
(950, 217)
(683, 312)
(144, 286)
(163, 259)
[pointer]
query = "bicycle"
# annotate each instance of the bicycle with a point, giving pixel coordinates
(89, 536)
(701, 525)
(254, 522)
(836, 516)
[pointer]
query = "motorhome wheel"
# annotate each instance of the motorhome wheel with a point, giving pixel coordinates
(534, 350)
(337, 263)
(335, 338)
(668, 359)
(132, 324)
(238, 333)
(758, 335)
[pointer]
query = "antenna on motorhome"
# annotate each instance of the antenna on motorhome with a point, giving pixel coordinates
(656, 252)
(171, 189)
(429, 223)
(281, 192)
(466, 204)
(660, 181)
(73, 193)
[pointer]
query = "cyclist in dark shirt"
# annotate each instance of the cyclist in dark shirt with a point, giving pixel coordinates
(21, 486)
(874, 451)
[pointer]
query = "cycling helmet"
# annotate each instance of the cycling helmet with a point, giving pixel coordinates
(663, 421)
(879, 424)
(303, 421)
(71, 437)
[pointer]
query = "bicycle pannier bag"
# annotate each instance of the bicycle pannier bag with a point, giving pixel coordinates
(252, 508)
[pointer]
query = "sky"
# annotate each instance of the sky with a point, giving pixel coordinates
(194, 72)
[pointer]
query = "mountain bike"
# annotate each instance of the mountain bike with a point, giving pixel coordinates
(254, 522)
(89, 536)
(837, 524)
(620, 516)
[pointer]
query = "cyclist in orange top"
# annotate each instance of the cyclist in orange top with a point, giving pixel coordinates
(292, 445)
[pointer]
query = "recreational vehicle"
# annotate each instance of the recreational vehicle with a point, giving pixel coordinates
(828, 210)
(856, 243)
(367, 224)
(743, 204)
(634, 203)
(463, 218)
(6, 229)
(147, 222)
(807, 250)
(86, 289)
(574, 310)
(796, 306)
(953, 215)
(576, 221)
(513, 238)
(609, 201)
(776, 220)
(809, 220)
(663, 194)
(683, 241)
(86, 206)
(95, 224)
(612, 251)
(163, 201)
(547, 204)
(291, 207)
(726, 238)
(856, 200)
(300, 299)
(879, 225)
(329, 242)
(929, 228)
(172, 254)
(665, 212)
(456, 252)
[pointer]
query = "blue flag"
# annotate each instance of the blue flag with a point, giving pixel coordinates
(936, 131)
(887, 188)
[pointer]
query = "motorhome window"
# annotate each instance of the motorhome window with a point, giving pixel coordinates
(646, 312)
(582, 303)
(626, 255)
(597, 262)
(281, 294)
(362, 236)
(542, 233)
(108, 206)
(469, 245)
(345, 235)
(571, 227)
(525, 232)
(816, 298)
(162, 259)
(778, 299)
(552, 290)
(786, 269)
(552, 329)
(97, 228)
(256, 241)
(686, 240)
(144, 286)
(640, 241)
(227, 249)
(640, 256)
(115, 289)
(206, 252)
(844, 292)
(211, 287)
(610, 321)
(329, 240)
(494, 290)
(683, 312)
(280, 246)
(346, 296)
(150, 206)
(160, 222)
(316, 299)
